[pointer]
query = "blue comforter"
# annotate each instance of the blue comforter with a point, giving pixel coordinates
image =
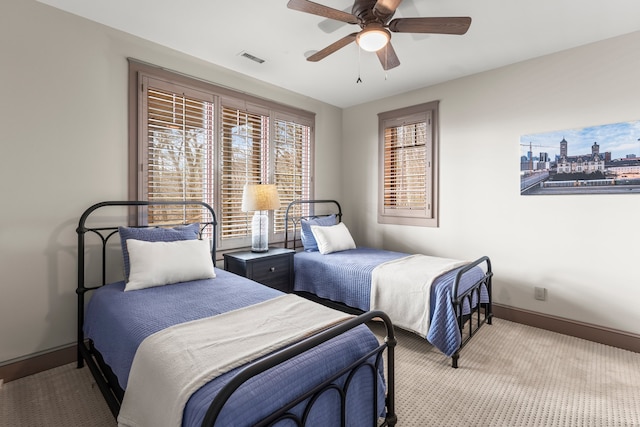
(346, 277)
(117, 322)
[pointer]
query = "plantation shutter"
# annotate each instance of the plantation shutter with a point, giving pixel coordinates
(193, 140)
(178, 150)
(407, 163)
(292, 163)
(244, 154)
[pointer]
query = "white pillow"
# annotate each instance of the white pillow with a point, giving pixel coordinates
(333, 238)
(163, 263)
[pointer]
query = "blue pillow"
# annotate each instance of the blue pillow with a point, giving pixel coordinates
(155, 234)
(308, 241)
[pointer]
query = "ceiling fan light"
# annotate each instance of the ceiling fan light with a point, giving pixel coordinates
(373, 39)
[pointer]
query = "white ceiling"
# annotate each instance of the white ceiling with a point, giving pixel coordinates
(502, 32)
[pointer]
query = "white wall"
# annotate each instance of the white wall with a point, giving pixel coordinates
(63, 115)
(583, 249)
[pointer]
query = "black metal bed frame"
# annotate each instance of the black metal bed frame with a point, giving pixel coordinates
(468, 324)
(113, 393)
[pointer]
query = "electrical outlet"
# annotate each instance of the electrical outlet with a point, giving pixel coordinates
(1, 382)
(541, 294)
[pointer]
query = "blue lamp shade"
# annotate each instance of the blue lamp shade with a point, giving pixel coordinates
(260, 198)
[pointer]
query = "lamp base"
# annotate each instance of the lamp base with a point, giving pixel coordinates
(259, 232)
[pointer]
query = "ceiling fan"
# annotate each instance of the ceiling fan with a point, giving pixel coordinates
(374, 19)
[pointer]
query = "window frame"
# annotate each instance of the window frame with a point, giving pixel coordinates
(137, 126)
(395, 118)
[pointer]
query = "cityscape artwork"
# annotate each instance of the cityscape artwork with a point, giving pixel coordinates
(592, 160)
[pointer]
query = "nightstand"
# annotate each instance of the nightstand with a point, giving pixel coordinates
(273, 268)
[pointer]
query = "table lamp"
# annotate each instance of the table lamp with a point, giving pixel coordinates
(260, 198)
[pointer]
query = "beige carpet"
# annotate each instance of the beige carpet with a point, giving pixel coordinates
(509, 375)
(515, 375)
(61, 397)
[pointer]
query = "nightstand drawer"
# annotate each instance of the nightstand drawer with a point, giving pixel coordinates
(273, 268)
(271, 271)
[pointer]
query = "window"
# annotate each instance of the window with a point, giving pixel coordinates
(408, 186)
(192, 140)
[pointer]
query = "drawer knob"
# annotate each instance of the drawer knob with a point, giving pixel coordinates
(272, 269)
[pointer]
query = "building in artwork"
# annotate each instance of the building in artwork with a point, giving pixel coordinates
(584, 163)
(625, 168)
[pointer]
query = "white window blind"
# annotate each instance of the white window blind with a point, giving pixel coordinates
(178, 153)
(292, 161)
(244, 140)
(405, 167)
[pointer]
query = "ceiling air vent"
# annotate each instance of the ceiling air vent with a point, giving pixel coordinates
(252, 57)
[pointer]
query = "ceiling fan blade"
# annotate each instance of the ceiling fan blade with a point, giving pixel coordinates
(388, 58)
(321, 10)
(386, 7)
(456, 25)
(332, 48)
(330, 25)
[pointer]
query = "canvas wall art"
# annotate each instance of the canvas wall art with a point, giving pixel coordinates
(602, 159)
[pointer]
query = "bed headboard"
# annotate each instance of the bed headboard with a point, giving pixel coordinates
(307, 209)
(131, 214)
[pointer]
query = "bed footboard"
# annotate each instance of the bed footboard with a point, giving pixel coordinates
(479, 300)
(329, 385)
